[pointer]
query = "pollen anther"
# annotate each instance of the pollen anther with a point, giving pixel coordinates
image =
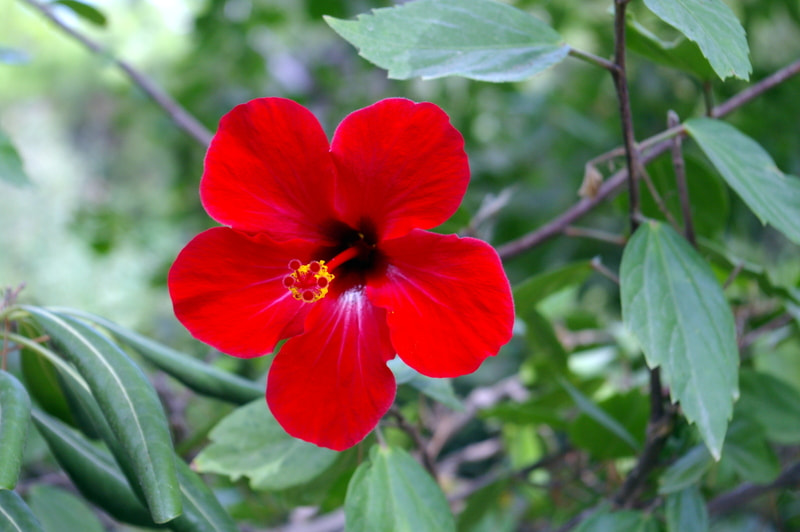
(308, 282)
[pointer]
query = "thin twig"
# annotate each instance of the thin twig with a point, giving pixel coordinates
(736, 498)
(623, 97)
(595, 234)
(600, 268)
(776, 323)
(708, 97)
(651, 148)
(680, 180)
(733, 275)
(591, 58)
(182, 118)
(419, 441)
(660, 203)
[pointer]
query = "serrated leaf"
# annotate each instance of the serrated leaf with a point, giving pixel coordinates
(128, 402)
(541, 286)
(250, 443)
(686, 510)
(87, 12)
(686, 471)
(673, 304)
(477, 39)
(15, 516)
(440, 390)
(631, 410)
(15, 414)
(200, 377)
(393, 492)
(772, 403)
(715, 29)
(11, 168)
(748, 453)
(58, 510)
(772, 195)
(681, 54)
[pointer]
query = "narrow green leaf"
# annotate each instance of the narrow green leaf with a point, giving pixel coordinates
(202, 511)
(201, 378)
(15, 412)
(93, 471)
(630, 409)
(772, 195)
(686, 471)
(681, 54)
(547, 353)
(541, 286)
(128, 402)
(41, 381)
(87, 12)
(250, 443)
(11, 169)
(686, 510)
(715, 29)
(438, 389)
(674, 305)
(593, 411)
(58, 510)
(15, 516)
(772, 403)
(477, 39)
(393, 492)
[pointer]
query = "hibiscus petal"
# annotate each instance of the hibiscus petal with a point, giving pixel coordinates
(227, 289)
(448, 302)
(269, 169)
(401, 165)
(331, 385)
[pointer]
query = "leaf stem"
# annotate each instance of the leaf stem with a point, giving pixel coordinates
(679, 167)
(593, 59)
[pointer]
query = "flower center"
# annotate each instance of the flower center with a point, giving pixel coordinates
(308, 282)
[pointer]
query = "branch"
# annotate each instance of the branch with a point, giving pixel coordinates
(182, 118)
(737, 497)
(591, 58)
(680, 180)
(628, 138)
(656, 145)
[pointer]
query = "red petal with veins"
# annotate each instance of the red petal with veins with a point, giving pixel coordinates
(401, 165)
(227, 289)
(447, 299)
(269, 169)
(331, 385)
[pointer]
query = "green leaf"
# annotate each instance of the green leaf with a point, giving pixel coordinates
(772, 403)
(681, 54)
(490, 509)
(715, 29)
(15, 516)
(15, 412)
(773, 196)
(606, 520)
(438, 389)
(748, 453)
(477, 39)
(41, 381)
(547, 354)
(58, 510)
(250, 443)
(11, 169)
(630, 410)
(600, 416)
(674, 305)
(686, 471)
(128, 402)
(686, 510)
(93, 471)
(199, 377)
(85, 11)
(541, 286)
(393, 492)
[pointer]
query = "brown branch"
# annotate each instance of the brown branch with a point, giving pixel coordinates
(656, 145)
(680, 180)
(595, 234)
(421, 444)
(591, 58)
(776, 323)
(180, 116)
(600, 268)
(736, 498)
(623, 97)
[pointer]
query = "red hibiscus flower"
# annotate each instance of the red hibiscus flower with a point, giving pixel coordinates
(326, 246)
